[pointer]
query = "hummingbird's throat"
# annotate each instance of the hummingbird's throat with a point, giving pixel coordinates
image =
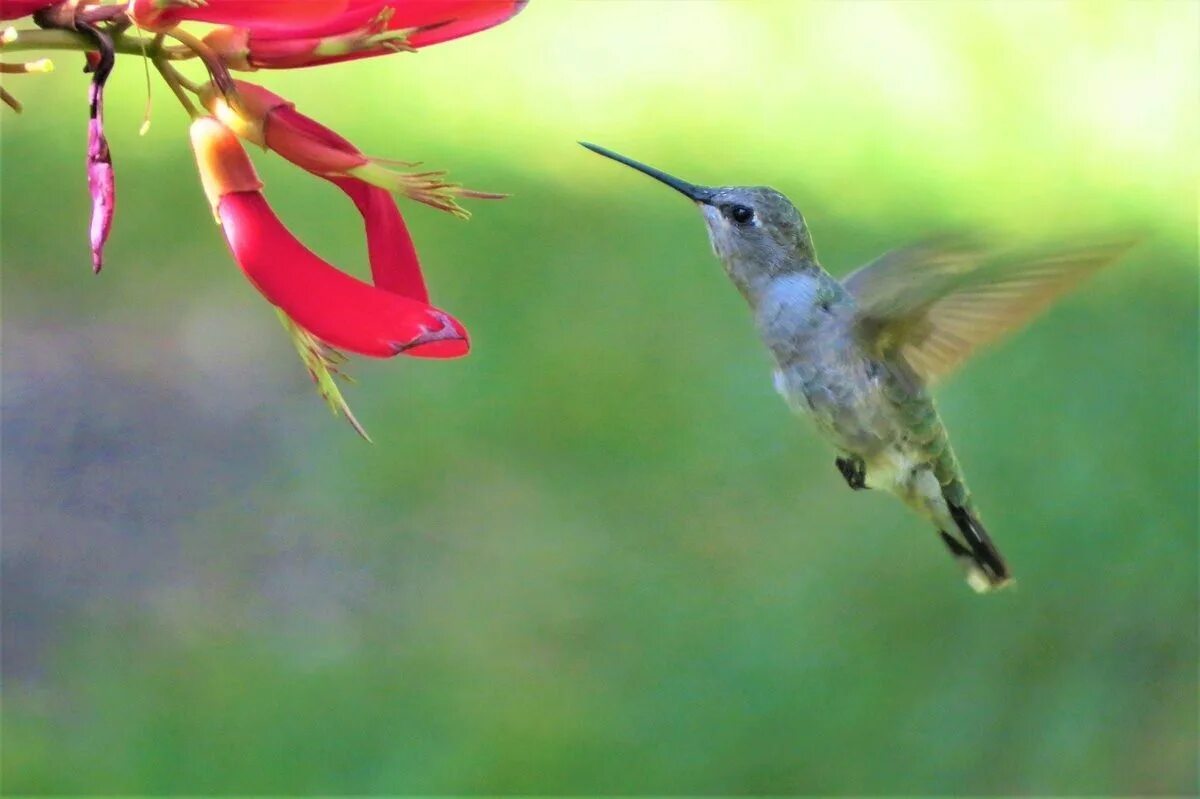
(713, 222)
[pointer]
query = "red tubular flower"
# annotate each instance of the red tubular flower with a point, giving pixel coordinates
(11, 9)
(273, 122)
(335, 307)
(366, 28)
(266, 14)
(432, 21)
(394, 263)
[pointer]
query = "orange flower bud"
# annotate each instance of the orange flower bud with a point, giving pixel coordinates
(223, 163)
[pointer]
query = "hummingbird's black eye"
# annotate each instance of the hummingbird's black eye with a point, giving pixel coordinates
(741, 214)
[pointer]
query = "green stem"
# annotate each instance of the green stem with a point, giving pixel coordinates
(216, 68)
(9, 100)
(178, 82)
(149, 48)
(68, 40)
(166, 67)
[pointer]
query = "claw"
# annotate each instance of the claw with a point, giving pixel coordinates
(854, 470)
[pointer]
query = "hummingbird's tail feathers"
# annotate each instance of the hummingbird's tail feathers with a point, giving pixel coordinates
(986, 569)
(980, 580)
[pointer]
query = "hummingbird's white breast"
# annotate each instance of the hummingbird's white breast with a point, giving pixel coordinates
(821, 371)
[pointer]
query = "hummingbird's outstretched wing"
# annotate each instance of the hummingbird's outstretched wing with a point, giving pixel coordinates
(934, 304)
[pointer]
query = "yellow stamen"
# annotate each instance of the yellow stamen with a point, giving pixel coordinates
(40, 65)
(430, 187)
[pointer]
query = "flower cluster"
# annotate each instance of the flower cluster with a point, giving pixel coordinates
(325, 310)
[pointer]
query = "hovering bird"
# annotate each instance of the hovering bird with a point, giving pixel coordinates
(858, 355)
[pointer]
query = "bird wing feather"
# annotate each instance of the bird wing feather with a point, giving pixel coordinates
(934, 304)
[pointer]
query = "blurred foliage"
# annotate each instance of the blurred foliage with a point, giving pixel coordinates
(598, 555)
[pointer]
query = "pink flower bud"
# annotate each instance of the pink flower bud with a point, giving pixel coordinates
(101, 180)
(102, 186)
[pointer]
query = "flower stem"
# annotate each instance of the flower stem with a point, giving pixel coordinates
(178, 83)
(126, 44)
(9, 100)
(216, 68)
(40, 65)
(69, 40)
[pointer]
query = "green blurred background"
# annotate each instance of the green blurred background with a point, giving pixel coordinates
(598, 555)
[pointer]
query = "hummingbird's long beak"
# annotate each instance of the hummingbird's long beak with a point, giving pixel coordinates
(699, 194)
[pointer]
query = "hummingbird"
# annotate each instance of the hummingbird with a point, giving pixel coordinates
(858, 356)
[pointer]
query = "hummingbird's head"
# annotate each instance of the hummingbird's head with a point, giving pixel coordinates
(754, 222)
(755, 230)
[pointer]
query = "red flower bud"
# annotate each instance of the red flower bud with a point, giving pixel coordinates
(335, 307)
(271, 121)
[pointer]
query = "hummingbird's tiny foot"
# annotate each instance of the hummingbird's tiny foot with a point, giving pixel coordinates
(854, 470)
